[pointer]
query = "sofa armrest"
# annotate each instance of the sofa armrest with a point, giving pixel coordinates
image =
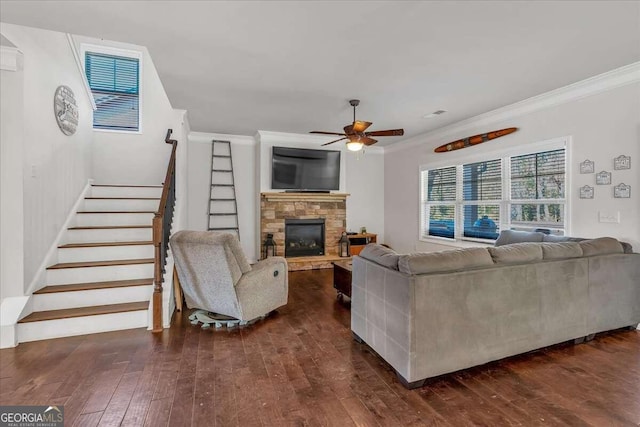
(264, 288)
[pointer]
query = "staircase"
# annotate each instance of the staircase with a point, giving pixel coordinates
(103, 280)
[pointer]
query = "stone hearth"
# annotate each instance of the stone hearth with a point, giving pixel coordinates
(276, 207)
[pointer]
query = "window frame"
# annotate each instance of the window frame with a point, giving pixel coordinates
(459, 158)
(114, 51)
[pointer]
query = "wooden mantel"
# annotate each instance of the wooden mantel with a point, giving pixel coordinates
(307, 197)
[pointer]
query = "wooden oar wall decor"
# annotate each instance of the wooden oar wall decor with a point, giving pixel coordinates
(474, 140)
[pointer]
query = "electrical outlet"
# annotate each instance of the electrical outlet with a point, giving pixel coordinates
(34, 171)
(611, 217)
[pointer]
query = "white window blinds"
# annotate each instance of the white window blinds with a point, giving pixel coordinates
(115, 84)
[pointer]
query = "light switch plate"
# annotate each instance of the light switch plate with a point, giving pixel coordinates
(610, 217)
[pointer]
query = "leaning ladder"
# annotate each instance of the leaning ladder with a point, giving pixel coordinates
(223, 207)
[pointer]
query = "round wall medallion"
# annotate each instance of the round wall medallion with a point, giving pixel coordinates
(66, 110)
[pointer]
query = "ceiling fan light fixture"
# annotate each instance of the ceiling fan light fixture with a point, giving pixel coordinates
(354, 145)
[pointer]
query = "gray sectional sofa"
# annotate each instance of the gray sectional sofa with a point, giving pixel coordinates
(429, 314)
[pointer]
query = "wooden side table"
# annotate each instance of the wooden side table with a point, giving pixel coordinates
(342, 277)
(359, 241)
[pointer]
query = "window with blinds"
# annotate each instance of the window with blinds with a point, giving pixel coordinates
(538, 189)
(115, 85)
(438, 204)
(477, 200)
(481, 194)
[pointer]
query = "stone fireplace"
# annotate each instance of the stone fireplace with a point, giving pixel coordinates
(303, 237)
(277, 210)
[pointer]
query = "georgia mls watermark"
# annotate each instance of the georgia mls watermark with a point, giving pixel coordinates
(32, 416)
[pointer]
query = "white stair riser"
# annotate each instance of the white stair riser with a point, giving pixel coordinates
(85, 219)
(126, 192)
(64, 276)
(120, 205)
(105, 253)
(62, 300)
(108, 235)
(47, 329)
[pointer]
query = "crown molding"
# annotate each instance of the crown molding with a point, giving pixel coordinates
(618, 77)
(266, 135)
(208, 137)
(9, 58)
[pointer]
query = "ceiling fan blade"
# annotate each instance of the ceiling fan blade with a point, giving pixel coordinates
(388, 132)
(348, 130)
(360, 126)
(331, 142)
(368, 141)
(319, 132)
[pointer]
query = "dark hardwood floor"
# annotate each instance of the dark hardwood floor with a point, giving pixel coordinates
(301, 367)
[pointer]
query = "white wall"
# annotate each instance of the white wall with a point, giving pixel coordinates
(11, 197)
(365, 184)
(56, 167)
(135, 158)
(601, 124)
(199, 169)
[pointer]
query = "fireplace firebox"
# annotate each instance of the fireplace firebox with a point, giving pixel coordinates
(303, 237)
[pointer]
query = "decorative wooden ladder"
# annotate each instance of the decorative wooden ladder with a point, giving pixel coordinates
(223, 207)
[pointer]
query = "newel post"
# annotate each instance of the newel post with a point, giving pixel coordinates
(157, 273)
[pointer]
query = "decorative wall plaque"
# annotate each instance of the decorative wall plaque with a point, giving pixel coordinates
(586, 192)
(66, 110)
(622, 191)
(622, 162)
(587, 167)
(603, 178)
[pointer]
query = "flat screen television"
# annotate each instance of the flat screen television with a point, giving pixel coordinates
(303, 169)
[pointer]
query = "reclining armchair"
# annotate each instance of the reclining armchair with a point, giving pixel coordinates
(216, 277)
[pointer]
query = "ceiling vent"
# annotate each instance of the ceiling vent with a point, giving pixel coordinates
(435, 113)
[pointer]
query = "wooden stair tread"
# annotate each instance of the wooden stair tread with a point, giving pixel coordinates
(116, 212)
(102, 244)
(85, 311)
(93, 285)
(100, 263)
(122, 198)
(108, 227)
(126, 186)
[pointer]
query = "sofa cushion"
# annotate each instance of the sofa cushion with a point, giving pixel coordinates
(601, 246)
(508, 237)
(435, 262)
(561, 250)
(380, 255)
(517, 253)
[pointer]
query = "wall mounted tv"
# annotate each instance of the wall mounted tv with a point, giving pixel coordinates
(305, 170)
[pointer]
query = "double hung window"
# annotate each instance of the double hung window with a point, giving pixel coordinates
(476, 200)
(115, 84)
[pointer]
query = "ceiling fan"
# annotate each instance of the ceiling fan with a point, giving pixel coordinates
(355, 132)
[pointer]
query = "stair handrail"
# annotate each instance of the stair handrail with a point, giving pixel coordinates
(161, 231)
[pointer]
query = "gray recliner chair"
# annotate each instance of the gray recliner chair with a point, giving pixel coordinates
(217, 279)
